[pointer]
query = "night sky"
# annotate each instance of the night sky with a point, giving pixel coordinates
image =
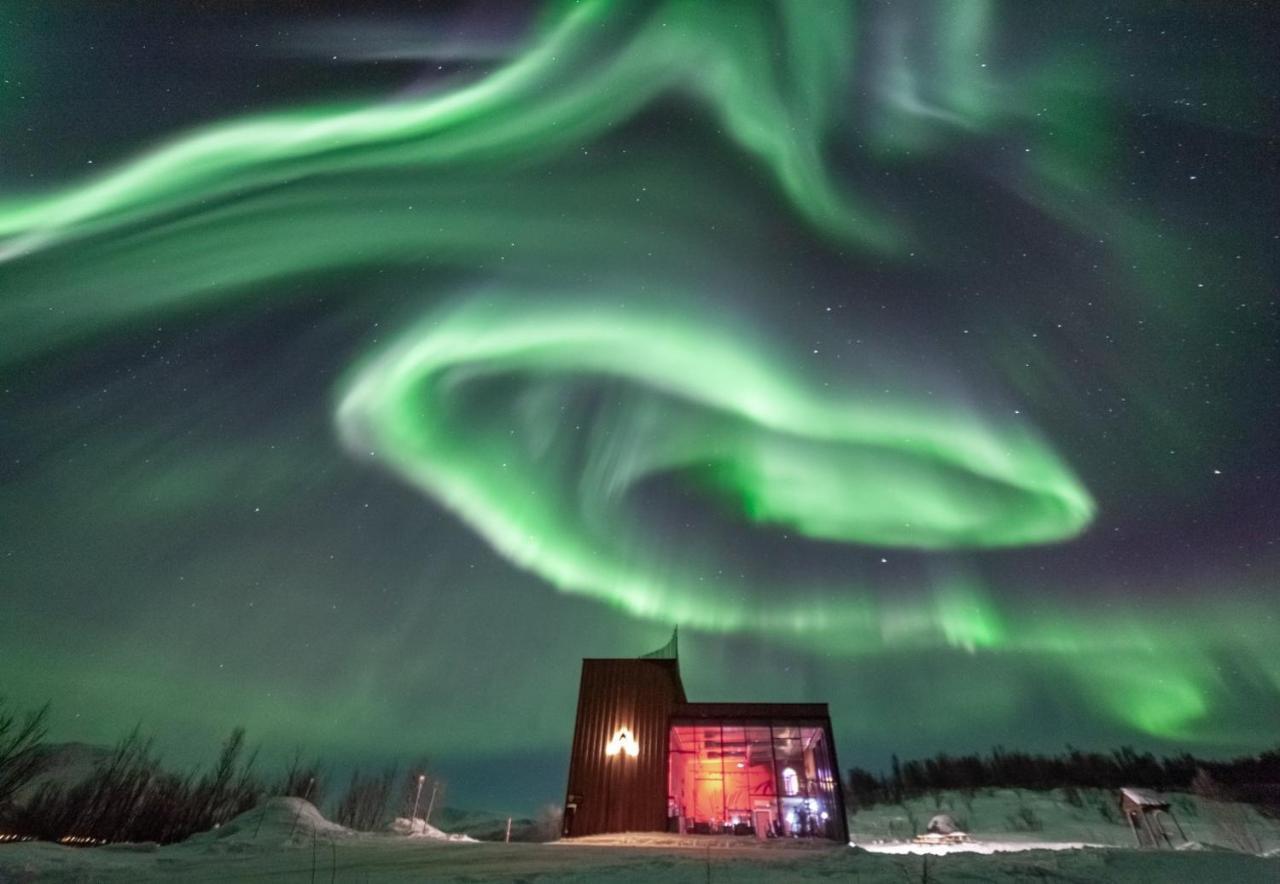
(360, 372)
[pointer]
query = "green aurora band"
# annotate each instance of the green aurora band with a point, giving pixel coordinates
(250, 201)
(597, 65)
(235, 207)
(690, 397)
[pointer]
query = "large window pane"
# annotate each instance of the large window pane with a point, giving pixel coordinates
(762, 781)
(737, 779)
(821, 794)
(697, 782)
(768, 780)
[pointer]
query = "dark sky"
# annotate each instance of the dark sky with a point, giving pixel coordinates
(362, 371)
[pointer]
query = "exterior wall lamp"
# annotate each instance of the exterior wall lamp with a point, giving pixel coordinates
(622, 743)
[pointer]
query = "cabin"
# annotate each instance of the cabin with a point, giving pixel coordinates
(645, 759)
(1146, 812)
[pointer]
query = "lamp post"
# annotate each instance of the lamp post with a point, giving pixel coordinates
(431, 803)
(413, 816)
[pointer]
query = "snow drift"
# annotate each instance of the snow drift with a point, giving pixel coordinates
(276, 821)
(417, 828)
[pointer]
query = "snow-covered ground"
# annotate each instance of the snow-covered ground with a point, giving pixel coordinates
(287, 840)
(387, 858)
(1017, 816)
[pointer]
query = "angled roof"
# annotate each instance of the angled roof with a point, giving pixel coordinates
(1143, 797)
(669, 651)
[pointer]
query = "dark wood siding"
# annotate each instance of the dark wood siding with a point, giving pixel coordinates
(621, 793)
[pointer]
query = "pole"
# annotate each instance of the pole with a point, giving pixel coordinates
(508, 830)
(413, 816)
(431, 803)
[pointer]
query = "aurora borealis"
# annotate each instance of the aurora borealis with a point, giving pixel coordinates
(711, 412)
(364, 371)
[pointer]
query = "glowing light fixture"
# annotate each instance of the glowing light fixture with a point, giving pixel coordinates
(623, 742)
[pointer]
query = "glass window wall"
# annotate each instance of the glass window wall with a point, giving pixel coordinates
(771, 780)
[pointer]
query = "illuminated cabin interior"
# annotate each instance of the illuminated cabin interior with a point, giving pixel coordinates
(741, 778)
(646, 759)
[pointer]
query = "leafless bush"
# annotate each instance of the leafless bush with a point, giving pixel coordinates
(301, 779)
(128, 797)
(364, 807)
(229, 789)
(21, 759)
(1230, 819)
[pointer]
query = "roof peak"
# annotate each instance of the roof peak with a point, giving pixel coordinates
(669, 651)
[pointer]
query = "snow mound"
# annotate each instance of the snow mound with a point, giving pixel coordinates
(417, 828)
(942, 824)
(277, 821)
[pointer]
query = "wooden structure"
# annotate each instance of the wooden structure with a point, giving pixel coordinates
(644, 759)
(621, 791)
(1144, 811)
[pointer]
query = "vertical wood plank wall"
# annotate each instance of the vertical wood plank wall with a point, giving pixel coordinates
(622, 793)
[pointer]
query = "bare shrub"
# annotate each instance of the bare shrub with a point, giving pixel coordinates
(21, 759)
(128, 797)
(1230, 819)
(301, 779)
(228, 789)
(365, 805)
